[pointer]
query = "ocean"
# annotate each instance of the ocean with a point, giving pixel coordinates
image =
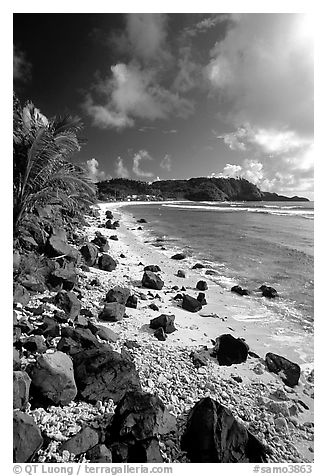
(246, 243)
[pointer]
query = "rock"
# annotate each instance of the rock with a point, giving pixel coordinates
(16, 336)
(27, 439)
(132, 344)
(80, 335)
(178, 297)
(101, 242)
(83, 441)
(58, 247)
(214, 436)
(165, 321)
(181, 273)
(191, 304)
(198, 266)
(199, 358)
(64, 277)
(202, 299)
(95, 282)
(34, 344)
(109, 225)
(112, 312)
(201, 286)
(152, 280)
(81, 321)
(21, 389)
(89, 251)
(48, 328)
(109, 215)
(118, 294)
(240, 291)
(132, 302)
(21, 295)
(107, 263)
(268, 291)
(69, 346)
(139, 416)
(122, 255)
(113, 237)
(178, 256)
(229, 350)
(142, 220)
(99, 454)
(33, 283)
(140, 228)
(53, 378)
(152, 267)
(281, 424)
(287, 370)
(160, 334)
(153, 306)
(115, 224)
(278, 408)
(102, 374)
(69, 302)
(107, 334)
(16, 359)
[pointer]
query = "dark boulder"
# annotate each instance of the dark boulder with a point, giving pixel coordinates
(89, 253)
(102, 374)
(99, 454)
(107, 263)
(81, 335)
(152, 280)
(113, 237)
(287, 370)
(53, 378)
(34, 344)
(199, 358)
(240, 291)
(27, 439)
(202, 299)
(198, 266)
(229, 350)
(101, 242)
(21, 389)
(142, 220)
(48, 328)
(132, 302)
(201, 286)
(112, 311)
(109, 215)
(213, 435)
(160, 334)
(268, 291)
(178, 256)
(165, 321)
(152, 267)
(191, 304)
(83, 441)
(153, 306)
(69, 302)
(64, 277)
(118, 294)
(57, 247)
(69, 346)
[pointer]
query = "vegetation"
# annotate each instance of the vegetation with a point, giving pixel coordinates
(42, 172)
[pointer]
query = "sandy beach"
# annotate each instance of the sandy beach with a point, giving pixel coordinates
(280, 416)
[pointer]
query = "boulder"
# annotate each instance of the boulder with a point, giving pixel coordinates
(107, 263)
(165, 321)
(139, 416)
(178, 256)
(113, 237)
(21, 389)
(191, 304)
(118, 294)
(48, 328)
(213, 435)
(109, 215)
(27, 439)
(53, 378)
(83, 441)
(101, 242)
(240, 291)
(103, 374)
(201, 286)
(99, 454)
(142, 220)
(132, 302)
(153, 306)
(33, 283)
(160, 334)
(229, 350)
(58, 247)
(152, 280)
(145, 451)
(81, 321)
(81, 335)
(69, 302)
(112, 311)
(287, 370)
(107, 334)
(69, 346)
(64, 277)
(34, 344)
(202, 299)
(152, 267)
(198, 266)
(89, 253)
(199, 358)
(268, 291)
(21, 295)
(181, 273)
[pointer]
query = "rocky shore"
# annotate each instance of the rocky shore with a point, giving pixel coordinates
(131, 354)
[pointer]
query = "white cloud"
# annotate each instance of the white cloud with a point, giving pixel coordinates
(94, 173)
(141, 155)
(166, 163)
(147, 34)
(120, 170)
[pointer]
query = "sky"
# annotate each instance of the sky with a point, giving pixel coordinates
(174, 96)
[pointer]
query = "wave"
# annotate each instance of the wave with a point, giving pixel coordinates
(272, 210)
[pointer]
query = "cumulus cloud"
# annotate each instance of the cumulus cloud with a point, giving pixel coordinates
(147, 34)
(21, 66)
(166, 163)
(138, 157)
(131, 92)
(94, 173)
(120, 169)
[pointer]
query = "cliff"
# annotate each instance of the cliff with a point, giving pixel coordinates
(196, 189)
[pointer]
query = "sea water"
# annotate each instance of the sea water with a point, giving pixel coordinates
(246, 243)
